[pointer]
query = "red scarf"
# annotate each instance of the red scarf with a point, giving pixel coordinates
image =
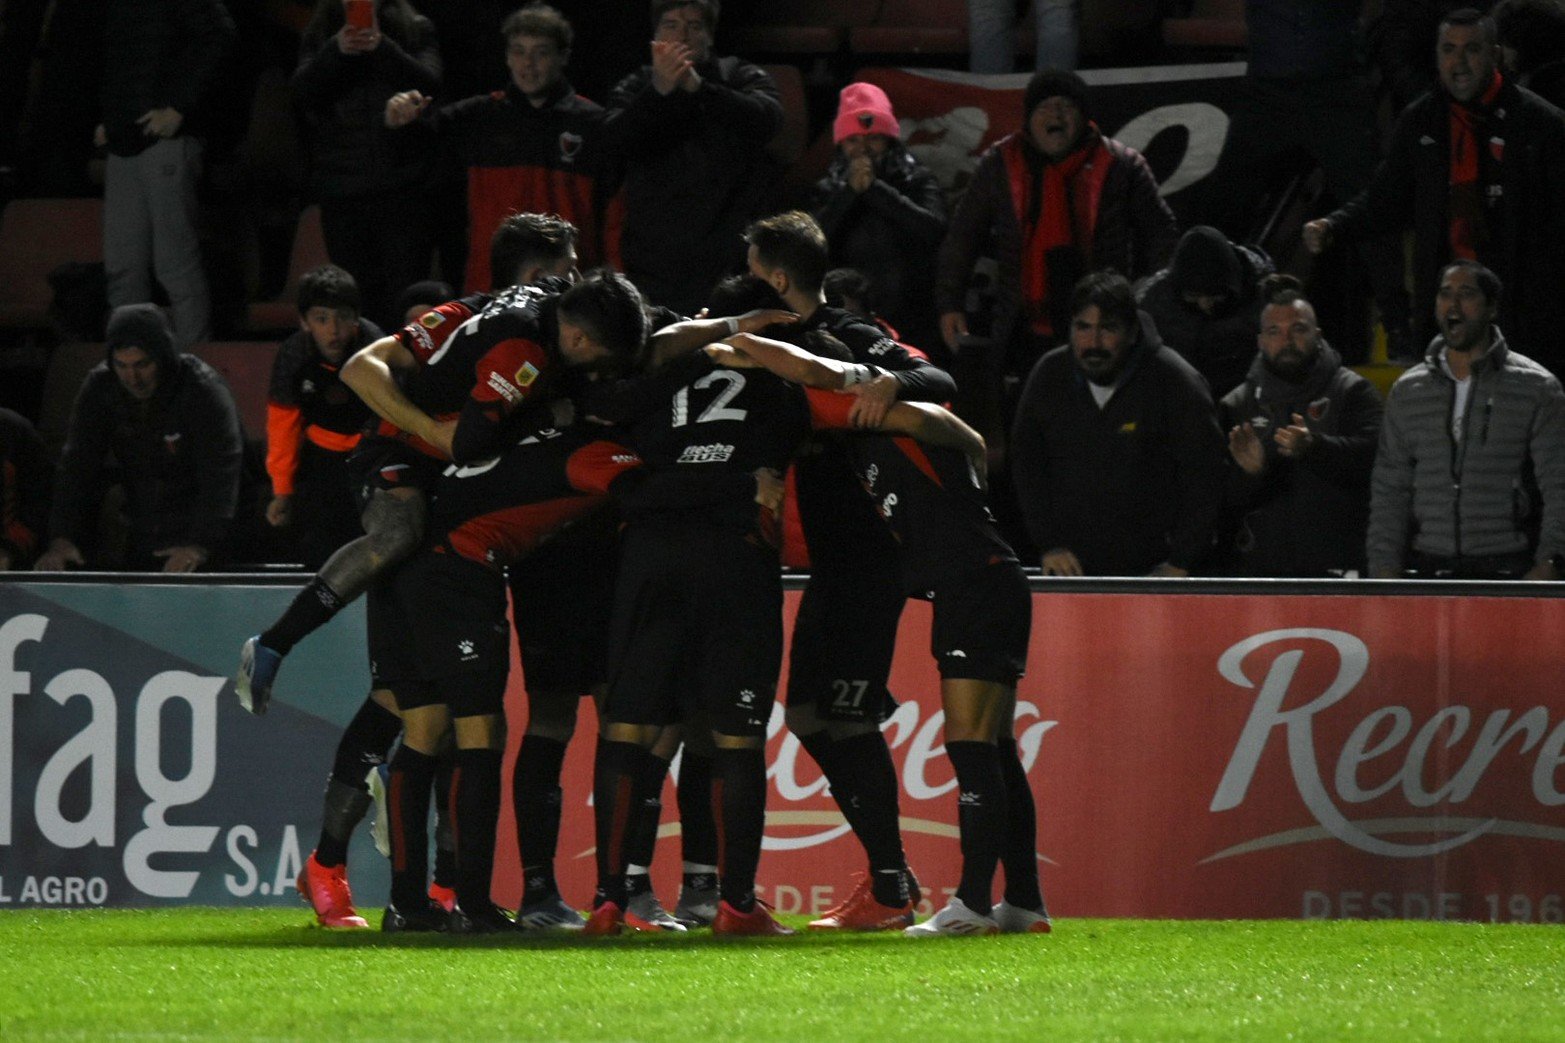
(1067, 213)
(1466, 202)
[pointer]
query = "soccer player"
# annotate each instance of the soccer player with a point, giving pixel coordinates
(932, 500)
(697, 620)
(837, 694)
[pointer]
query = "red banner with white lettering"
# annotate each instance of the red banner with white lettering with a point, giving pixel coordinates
(1224, 755)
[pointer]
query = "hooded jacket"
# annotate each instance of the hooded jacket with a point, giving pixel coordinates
(1482, 496)
(1304, 516)
(1127, 486)
(177, 455)
(1220, 346)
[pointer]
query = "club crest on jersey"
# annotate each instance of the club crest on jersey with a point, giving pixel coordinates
(1318, 409)
(526, 375)
(430, 319)
(570, 145)
(715, 453)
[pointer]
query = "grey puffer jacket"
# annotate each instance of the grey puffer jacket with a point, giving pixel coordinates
(1479, 497)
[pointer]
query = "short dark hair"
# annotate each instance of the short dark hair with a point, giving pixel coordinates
(794, 242)
(539, 19)
(523, 240)
(1534, 28)
(1282, 289)
(609, 307)
(1110, 293)
(738, 294)
(1487, 281)
(842, 283)
(1470, 16)
(709, 10)
(328, 287)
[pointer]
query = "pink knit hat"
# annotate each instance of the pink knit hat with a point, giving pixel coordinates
(864, 109)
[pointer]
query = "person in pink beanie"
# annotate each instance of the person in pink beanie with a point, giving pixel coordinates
(883, 213)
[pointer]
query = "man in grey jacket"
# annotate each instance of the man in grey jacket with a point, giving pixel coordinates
(1469, 482)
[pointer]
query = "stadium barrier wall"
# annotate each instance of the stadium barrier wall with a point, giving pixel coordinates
(1197, 749)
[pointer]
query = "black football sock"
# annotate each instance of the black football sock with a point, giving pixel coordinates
(536, 798)
(642, 843)
(615, 795)
(697, 829)
(363, 746)
(445, 820)
(873, 812)
(739, 805)
(1019, 853)
(408, 787)
(475, 786)
(312, 608)
(980, 819)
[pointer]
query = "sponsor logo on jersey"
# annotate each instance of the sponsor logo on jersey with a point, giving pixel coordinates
(422, 339)
(430, 319)
(715, 453)
(883, 346)
(504, 388)
(526, 375)
(625, 458)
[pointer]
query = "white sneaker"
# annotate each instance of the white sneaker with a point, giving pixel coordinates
(955, 919)
(549, 914)
(1013, 919)
(646, 913)
(380, 829)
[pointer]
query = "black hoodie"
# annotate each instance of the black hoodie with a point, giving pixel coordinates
(177, 454)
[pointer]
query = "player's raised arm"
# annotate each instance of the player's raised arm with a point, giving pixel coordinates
(370, 372)
(797, 365)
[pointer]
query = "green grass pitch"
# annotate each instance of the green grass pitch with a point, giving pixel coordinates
(262, 974)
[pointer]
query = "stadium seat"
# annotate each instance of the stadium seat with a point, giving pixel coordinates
(280, 314)
(787, 145)
(817, 27)
(247, 367)
(69, 365)
(37, 236)
(1212, 24)
(913, 27)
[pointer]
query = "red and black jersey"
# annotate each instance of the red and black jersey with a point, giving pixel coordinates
(929, 497)
(498, 510)
(481, 359)
(307, 401)
(522, 158)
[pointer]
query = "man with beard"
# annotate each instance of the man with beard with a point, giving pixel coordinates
(1469, 482)
(1302, 429)
(1117, 456)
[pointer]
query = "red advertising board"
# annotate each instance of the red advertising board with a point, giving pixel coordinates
(1222, 755)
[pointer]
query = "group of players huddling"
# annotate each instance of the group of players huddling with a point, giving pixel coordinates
(626, 467)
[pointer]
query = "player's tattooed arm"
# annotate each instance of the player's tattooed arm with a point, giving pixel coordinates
(371, 373)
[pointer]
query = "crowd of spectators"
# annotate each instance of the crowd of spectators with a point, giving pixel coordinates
(1156, 399)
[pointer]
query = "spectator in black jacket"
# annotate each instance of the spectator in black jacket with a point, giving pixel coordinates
(1206, 305)
(159, 59)
(1116, 453)
(375, 188)
(883, 213)
(168, 425)
(25, 477)
(1473, 169)
(1302, 430)
(693, 127)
